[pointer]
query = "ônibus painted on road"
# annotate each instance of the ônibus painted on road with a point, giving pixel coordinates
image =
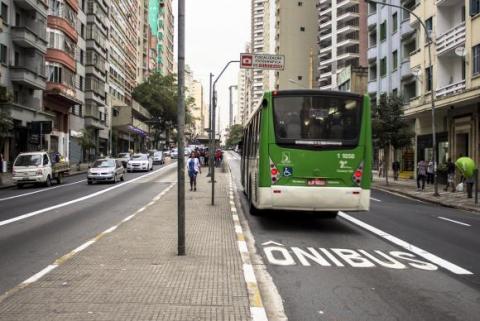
(308, 150)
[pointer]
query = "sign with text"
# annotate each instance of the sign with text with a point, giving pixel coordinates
(262, 61)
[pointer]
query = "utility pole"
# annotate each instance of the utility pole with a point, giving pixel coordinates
(230, 119)
(210, 121)
(181, 128)
(214, 105)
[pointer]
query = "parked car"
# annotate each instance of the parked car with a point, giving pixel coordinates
(174, 153)
(166, 153)
(158, 158)
(124, 158)
(140, 162)
(106, 170)
(38, 167)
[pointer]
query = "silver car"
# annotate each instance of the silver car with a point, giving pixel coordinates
(140, 162)
(106, 170)
(158, 158)
(124, 158)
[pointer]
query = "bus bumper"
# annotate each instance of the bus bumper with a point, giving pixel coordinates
(306, 198)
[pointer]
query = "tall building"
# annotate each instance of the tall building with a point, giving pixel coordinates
(194, 90)
(391, 40)
(296, 29)
(454, 78)
(166, 32)
(244, 91)
(260, 43)
(342, 39)
(23, 45)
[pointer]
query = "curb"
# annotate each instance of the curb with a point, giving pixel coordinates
(69, 175)
(459, 207)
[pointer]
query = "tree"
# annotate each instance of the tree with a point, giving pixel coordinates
(235, 135)
(6, 126)
(158, 94)
(87, 142)
(389, 127)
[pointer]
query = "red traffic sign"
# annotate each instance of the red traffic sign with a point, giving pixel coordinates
(246, 61)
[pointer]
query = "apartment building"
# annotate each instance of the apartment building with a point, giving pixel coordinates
(260, 43)
(342, 37)
(453, 78)
(296, 28)
(23, 46)
(166, 33)
(244, 84)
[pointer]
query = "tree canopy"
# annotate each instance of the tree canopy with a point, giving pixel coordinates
(6, 125)
(235, 135)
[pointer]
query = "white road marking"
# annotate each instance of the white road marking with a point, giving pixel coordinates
(375, 199)
(77, 200)
(248, 273)
(83, 246)
(412, 248)
(38, 275)
(40, 191)
(453, 221)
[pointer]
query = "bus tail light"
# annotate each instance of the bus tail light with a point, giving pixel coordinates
(274, 173)
(357, 174)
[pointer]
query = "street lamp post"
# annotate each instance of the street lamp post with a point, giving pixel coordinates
(212, 143)
(432, 91)
(210, 118)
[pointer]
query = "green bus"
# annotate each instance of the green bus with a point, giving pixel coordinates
(308, 150)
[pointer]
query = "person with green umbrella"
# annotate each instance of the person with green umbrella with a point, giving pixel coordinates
(467, 167)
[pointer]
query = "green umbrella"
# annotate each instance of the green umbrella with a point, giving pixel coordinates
(466, 165)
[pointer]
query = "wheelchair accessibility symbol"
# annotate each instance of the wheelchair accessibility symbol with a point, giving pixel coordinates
(287, 171)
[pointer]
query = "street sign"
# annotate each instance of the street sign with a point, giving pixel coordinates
(262, 61)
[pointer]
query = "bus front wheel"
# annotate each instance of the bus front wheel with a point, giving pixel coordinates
(253, 210)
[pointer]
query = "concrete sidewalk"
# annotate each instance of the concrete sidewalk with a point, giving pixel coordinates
(408, 187)
(132, 272)
(7, 182)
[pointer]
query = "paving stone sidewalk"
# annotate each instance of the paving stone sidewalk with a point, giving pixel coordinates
(408, 187)
(133, 273)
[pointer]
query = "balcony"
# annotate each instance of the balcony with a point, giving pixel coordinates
(372, 86)
(140, 125)
(29, 76)
(346, 4)
(346, 29)
(348, 16)
(94, 121)
(27, 38)
(39, 6)
(451, 39)
(372, 20)
(405, 70)
(347, 42)
(372, 53)
(141, 111)
(450, 89)
(406, 29)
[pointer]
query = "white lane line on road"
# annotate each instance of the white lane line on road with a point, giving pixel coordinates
(40, 191)
(453, 221)
(412, 248)
(38, 275)
(83, 246)
(375, 199)
(25, 216)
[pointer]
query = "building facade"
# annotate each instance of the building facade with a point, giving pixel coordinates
(23, 46)
(453, 78)
(166, 33)
(296, 28)
(244, 91)
(342, 36)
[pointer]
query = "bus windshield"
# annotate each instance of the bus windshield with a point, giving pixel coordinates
(320, 121)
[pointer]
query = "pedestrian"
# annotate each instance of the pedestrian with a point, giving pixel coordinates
(450, 175)
(396, 169)
(380, 168)
(421, 174)
(202, 157)
(193, 167)
(430, 171)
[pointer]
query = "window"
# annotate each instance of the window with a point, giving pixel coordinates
(58, 40)
(80, 83)
(299, 77)
(383, 31)
(429, 25)
(3, 54)
(395, 60)
(428, 75)
(476, 59)
(474, 7)
(372, 72)
(395, 92)
(383, 67)
(81, 56)
(302, 28)
(394, 22)
(300, 3)
(372, 8)
(4, 13)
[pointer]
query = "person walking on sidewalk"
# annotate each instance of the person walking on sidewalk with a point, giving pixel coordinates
(421, 174)
(450, 175)
(430, 169)
(193, 167)
(396, 169)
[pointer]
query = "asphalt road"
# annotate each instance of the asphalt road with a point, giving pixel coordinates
(39, 225)
(403, 260)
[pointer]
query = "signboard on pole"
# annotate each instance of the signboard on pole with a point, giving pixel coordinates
(262, 61)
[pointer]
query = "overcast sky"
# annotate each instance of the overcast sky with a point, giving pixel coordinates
(216, 32)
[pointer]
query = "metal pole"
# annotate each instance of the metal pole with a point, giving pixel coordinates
(210, 123)
(476, 186)
(214, 105)
(181, 128)
(230, 119)
(432, 91)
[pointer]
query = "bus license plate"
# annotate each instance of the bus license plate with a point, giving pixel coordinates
(316, 182)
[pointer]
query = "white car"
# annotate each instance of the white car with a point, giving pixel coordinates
(140, 162)
(106, 170)
(124, 158)
(158, 158)
(174, 153)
